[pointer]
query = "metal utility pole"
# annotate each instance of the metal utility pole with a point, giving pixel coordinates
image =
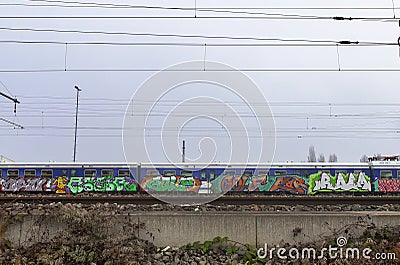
(76, 117)
(15, 100)
(10, 98)
(183, 151)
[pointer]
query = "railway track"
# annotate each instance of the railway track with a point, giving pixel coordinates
(224, 200)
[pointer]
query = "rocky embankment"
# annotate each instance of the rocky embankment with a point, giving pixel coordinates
(87, 238)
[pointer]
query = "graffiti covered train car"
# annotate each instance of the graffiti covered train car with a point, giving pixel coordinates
(294, 178)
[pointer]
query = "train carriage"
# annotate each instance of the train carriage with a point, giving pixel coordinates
(295, 178)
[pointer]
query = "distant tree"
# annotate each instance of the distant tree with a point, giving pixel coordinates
(321, 158)
(332, 158)
(311, 154)
(364, 158)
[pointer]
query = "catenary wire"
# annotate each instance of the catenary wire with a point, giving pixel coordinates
(177, 35)
(254, 15)
(55, 70)
(217, 8)
(188, 44)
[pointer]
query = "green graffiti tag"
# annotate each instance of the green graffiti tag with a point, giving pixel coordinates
(169, 185)
(325, 182)
(102, 184)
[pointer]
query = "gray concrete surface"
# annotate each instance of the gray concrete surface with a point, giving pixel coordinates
(179, 228)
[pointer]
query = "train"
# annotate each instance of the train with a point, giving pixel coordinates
(293, 178)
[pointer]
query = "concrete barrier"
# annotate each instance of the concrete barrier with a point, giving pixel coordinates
(179, 228)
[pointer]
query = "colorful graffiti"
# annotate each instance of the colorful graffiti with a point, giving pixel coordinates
(171, 184)
(59, 185)
(325, 182)
(291, 184)
(69, 185)
(103, 184)
(387, 185)
(24, 184)
(295, 184)
(223, 183)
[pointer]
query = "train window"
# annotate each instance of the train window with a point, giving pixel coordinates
(12, 173)
(297, 172)
(203, 175)
(152, 173)
(280, 172)
(212, 174)
(386, 174)
(306, 173)
(30, 173)
(90, 173)
(107, 173)
(186, 173)
(229, 173)
(64, 173)
(73, 172)
(1, 173)
(46, 173)
(123, 173)
(263, 173)
(169, 173)
(357, 172)
(247, 172)
(340, 171)
(398, 174)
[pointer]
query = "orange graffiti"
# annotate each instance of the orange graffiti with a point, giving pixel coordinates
(290, 184)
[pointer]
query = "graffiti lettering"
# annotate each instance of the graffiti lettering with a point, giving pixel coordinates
(23, 184)
(387, 185)
(324, 182)
(173, 184)
(236, 183)
(103, 184)
(292, 184)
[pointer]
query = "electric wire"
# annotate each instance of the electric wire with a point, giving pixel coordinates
(3, 85)
(55, 70)
(178, 35)
(187, 44)
(253, 15)
(215, 8)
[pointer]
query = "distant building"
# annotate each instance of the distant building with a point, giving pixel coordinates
(384, 158)
(4, 159)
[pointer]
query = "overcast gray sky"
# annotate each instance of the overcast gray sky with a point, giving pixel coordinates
(349, 113)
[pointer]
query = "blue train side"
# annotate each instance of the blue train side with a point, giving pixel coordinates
(296, 178)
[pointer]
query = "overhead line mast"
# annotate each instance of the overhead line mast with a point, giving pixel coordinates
(15, 100)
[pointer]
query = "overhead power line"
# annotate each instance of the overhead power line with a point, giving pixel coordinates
(187, 44)
(275, 17)
(347, 42)
(193, 12)
(113, 5)
(357, 136)
(254, 70)
(12, 123)
(275, 103)
(1, 82)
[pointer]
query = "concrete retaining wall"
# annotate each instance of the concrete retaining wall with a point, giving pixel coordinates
(179, 228)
